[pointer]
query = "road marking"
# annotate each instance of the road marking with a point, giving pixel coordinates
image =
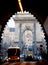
(29, 62)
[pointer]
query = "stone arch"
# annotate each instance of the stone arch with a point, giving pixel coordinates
(27, 29)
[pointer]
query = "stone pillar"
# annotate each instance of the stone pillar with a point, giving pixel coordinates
(34, 44)
(20, 35)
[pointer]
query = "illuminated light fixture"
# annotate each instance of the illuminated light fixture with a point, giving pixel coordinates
(9, 58)
(13, 16)
(20, 5)
(2, 37)
(18, 58)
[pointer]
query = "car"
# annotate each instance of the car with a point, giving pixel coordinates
(33, 58)
(37, 58)
(22, 55)
(28, 58)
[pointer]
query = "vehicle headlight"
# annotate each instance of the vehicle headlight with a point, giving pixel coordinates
(18, 58)
(9, 58)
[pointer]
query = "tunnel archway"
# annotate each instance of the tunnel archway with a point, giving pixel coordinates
(5, 26)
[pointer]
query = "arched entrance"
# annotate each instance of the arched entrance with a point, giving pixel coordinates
(24, 24)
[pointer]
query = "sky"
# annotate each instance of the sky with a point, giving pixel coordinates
(11, 23)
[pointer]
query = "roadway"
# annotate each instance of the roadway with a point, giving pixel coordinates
(25, 63)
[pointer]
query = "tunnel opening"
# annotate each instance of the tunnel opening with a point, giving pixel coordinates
(12, 29)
